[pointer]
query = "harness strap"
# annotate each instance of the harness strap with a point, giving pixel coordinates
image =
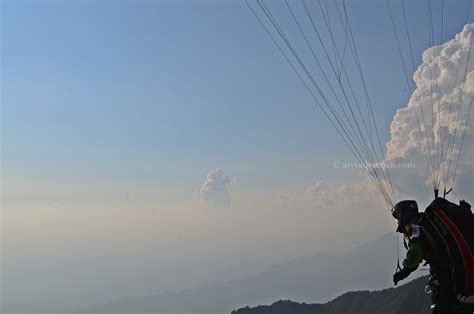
(466, 253)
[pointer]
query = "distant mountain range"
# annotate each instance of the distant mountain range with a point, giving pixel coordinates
(316, 278)
(407, 299)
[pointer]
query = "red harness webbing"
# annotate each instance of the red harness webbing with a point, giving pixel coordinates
(463, 248)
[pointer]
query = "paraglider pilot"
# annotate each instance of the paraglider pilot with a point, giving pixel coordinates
(423, 241)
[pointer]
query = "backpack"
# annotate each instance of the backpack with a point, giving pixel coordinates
(454, 225)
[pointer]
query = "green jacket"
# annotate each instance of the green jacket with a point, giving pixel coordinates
(413, 258)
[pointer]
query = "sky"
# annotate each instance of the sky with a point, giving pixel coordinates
(167, 144)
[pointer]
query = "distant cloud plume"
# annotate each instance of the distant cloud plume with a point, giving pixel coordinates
(214, 190)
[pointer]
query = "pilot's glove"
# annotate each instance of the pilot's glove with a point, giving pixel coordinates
(400, 275)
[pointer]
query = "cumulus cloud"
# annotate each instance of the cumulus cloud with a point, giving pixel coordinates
(214, 190)
(445, 118)
(406, 145)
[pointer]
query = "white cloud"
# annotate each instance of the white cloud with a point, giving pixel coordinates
(406, 143)
(214, 190)
(449, 62)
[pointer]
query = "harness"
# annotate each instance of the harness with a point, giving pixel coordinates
(453, 226)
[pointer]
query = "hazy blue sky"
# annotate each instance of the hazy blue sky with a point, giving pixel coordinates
(113, 114)
(175, 90)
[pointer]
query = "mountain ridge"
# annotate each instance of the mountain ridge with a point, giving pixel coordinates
(315, 278)
(408, 298)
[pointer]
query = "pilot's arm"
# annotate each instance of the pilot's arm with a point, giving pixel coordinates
(411, 262)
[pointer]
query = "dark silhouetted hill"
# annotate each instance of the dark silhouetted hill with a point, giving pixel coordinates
(406, 299)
